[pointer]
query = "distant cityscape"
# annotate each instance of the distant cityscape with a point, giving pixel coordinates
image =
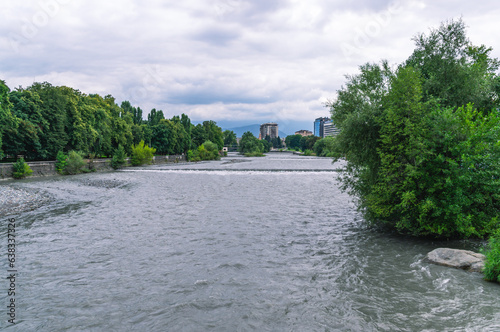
(323, 127)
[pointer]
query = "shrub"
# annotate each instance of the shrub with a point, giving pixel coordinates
(75, 163)
(118, 157)
(61, 162)
(492, 265)
(21, 169)
(142, 154)
(308, 152)
(212, 151)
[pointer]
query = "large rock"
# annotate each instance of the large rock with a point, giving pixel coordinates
(460, 259)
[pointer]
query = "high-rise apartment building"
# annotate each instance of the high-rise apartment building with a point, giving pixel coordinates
(269, 129)
(318, 126)
(324, 127)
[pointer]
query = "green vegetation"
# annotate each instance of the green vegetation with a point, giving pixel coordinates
(21, 169)
(119, 158)
(251, 146)
(301, 143)
(41, 120)
(492, 265)
(324, 147)
(207, 151)
(308, 152)
(142, 154)
(61, 162)
(229, 138)
(421, 141)
(75, 163)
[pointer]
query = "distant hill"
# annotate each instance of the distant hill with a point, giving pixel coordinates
(254, 129)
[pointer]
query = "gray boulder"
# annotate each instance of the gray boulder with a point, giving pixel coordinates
(460, 259)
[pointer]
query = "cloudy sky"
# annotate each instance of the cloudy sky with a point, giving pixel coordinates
(245, 61)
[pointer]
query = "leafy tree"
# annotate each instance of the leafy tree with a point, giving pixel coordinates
(492, 264)
(161, 137)
(61, 162)
(199, 134)
(276, 142)
(293, 141)
(142, 154)
(455, 72)
(420, 157)
(119, 157)
(214, 133)
(21, 169)
(229, 138)
(324, 147)
(6, 118)
(24, 137)
(154, 117)
(75, 163)
(250, 144)
(307, 142)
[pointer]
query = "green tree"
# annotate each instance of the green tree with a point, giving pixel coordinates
(214, 133)
(324, 147)
(418, 158)
(61, 162)
(142, 154)
(21, 169)
(199, 135)
(119, 158)
(75, 163)
(455, 72)
(7, 121)
(293, 141)
(250, 144)
(229, 138)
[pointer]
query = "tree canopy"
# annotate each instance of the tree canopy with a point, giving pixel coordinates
(421, 140)
(42, 119)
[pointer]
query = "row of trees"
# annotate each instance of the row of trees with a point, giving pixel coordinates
(42, 119)
(299, 142)
(421, 141)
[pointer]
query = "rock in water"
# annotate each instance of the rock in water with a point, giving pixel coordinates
(460, 259)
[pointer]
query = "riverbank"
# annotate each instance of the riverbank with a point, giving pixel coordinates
(48, 168)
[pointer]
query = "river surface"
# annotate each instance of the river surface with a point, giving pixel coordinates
(241, 244)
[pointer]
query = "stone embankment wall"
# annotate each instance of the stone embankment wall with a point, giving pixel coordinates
(48, 168)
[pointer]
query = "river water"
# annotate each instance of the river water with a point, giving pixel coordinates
(241, 244)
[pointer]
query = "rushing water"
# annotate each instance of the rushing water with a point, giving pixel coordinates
(241, 244)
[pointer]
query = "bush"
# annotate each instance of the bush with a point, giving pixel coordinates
(492, 265)
(309, 153)
(61, 162)
(118, 157)
(75, 163)
(142, 154)
(21, 169)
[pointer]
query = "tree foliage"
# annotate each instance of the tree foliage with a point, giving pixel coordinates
(249, 144)
(21, 169)
(142, 154)
(421, 142)
(42, 119)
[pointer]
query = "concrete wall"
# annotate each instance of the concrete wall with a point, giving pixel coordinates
(48, 168)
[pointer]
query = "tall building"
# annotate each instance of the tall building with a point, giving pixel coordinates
(329, 129)
(268, 129)
(319, 126)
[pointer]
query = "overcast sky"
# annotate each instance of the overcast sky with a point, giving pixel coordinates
(233, 60)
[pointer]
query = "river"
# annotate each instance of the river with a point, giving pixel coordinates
(240, 244)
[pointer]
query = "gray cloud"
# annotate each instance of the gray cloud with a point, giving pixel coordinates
(219, 59)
